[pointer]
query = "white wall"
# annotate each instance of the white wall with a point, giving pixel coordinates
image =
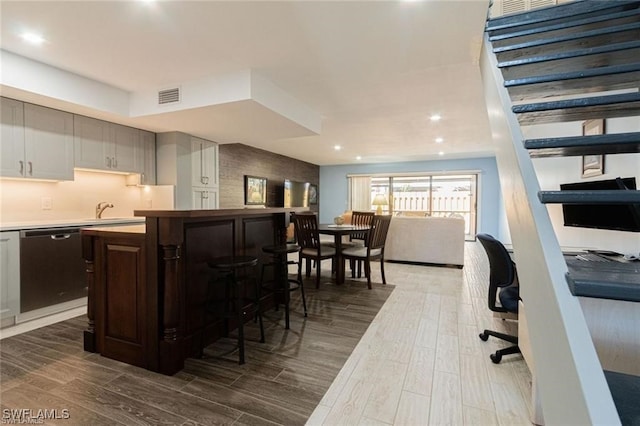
(554, 171)
(22, 199)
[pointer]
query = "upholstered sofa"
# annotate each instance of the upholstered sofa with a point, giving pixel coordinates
(435, 240)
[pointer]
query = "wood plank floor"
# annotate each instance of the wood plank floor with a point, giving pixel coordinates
(421, 360)
(406, 353)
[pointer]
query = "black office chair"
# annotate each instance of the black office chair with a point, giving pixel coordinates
(503, 276)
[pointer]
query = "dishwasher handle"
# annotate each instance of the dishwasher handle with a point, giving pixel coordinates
(60, 236)
(54, 233)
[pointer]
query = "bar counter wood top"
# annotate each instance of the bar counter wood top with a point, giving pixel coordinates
(214, 213)
(148, 284)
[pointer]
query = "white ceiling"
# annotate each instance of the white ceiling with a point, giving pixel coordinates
(369, 72)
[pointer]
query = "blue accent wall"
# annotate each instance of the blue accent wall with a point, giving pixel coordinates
(333, 185)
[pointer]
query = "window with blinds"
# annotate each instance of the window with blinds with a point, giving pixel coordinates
(437, 195)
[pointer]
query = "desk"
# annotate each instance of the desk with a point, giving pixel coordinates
(338, 231)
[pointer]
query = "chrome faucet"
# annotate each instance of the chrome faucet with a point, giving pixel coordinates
(101, 207)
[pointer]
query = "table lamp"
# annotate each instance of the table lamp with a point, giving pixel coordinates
(379, 200)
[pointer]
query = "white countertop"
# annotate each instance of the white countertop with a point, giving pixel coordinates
(64, 223)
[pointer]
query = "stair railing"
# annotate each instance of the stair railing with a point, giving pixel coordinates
(568, 377)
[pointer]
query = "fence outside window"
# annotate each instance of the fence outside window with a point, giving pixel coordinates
(430, 195)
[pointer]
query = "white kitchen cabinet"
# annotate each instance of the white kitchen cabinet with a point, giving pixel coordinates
(187, 163)
(12, 146)
(43, 149)
(204, 159)
(145, 160)
(48, 140)
(147, 146)
(101, 145)
(9, 276)
(89, 138)
(204, 198)
(123, 148)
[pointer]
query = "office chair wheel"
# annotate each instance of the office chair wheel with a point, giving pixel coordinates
(484, 337)
(496, 358)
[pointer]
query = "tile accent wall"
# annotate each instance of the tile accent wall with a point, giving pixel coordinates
(237, 160)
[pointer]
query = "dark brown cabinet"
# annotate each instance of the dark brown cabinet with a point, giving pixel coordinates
(148, 283)
(117, 281)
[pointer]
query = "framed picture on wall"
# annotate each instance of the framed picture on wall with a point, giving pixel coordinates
(592, 165)
(313, 194)
(255, 190)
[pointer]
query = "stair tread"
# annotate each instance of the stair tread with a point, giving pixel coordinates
(613, 143)
(604, 280)
(571, 10)
(563, 25)
(568, 37)
(606, 100)
(607, 106)
(592, 72)
(571, 54)
(601, 79)
(625, 390)
(590, 197)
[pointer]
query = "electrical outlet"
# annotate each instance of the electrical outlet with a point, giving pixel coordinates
(147, 203)
(46, 203)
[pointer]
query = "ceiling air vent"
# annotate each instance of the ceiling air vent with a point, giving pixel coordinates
(505, 7)
(169, 96)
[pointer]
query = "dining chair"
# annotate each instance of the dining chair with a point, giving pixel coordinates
(358, 239)
(306, 230)
(373, 248)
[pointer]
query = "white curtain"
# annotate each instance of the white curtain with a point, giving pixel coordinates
(359, 193)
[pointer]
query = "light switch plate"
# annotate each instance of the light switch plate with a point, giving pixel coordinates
(46, 203)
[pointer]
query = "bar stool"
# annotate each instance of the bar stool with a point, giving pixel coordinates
(283, 284)
(236, 303)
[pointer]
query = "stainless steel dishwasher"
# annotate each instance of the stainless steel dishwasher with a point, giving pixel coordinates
(51, 267)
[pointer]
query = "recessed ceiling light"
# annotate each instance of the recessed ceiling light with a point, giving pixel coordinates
(358, 158)
(32, 38)
(439, 140)
(337, 147)
(441, 153)
(435, 117)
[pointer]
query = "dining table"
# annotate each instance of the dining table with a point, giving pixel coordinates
(338, 231)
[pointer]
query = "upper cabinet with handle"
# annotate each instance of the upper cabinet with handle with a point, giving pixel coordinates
(37, 142)
(12, 154)
(102, 145)
(147, 158)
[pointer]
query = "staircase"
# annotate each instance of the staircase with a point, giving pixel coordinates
(572, 62)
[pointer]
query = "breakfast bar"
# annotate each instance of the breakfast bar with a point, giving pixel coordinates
(147, 284)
